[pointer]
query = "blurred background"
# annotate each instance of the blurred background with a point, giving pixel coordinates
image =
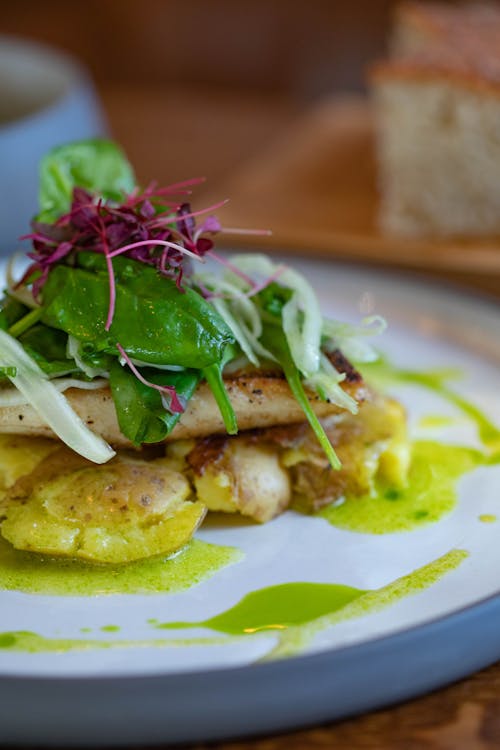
(267, 99)
(196, 86)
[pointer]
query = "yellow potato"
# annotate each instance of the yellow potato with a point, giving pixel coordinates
(248, 479)
(116, 513)
(372, 446)
(20, 454)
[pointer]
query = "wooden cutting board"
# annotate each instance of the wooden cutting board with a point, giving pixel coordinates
(315, 188)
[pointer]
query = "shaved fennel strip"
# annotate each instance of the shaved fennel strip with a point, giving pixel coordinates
(326, 383)
(73, 351)
(302, 319)
(351, 339)
(239, 312)
(223, 309)
(50, 404)
(13, 397)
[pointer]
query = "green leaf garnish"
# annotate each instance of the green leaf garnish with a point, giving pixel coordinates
(96, 165)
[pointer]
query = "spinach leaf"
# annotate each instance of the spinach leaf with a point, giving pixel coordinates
(153, 320)
(47, 346)
(11, 311)
(96, 360)
(213, 376)
(141, 415)
(271, 300)
(95, 165)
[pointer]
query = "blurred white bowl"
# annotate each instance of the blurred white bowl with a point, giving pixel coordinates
(46, 98)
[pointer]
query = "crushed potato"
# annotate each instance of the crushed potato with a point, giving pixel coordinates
(58, 503)
(249, 480)
(123, 511)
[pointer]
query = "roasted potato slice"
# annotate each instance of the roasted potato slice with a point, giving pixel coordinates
(245, 478)
(124, 511)
(372, 446)
(20, 454)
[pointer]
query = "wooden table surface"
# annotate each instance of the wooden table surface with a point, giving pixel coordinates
(171, 135)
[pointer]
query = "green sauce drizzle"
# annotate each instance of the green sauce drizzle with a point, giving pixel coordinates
(384, 373)
(435, 469)
(294, 611)
(33, 574)
(429, 495)
(294, 640)
(435, 420)
(277, 608)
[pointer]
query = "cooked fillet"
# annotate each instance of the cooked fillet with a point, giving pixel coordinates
(258, 399)
(151, 502)
(136, 506)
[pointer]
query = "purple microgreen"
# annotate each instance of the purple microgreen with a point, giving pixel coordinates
(155, 242)
(185, 222)
(112, 292)
(170, 398)
(201, 211)
(179, 186)
(183, 214)
(154, 226)
(211, 225)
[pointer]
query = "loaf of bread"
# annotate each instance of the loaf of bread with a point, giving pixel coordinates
(437, 109)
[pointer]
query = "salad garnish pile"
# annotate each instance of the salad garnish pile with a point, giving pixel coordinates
(118, 292)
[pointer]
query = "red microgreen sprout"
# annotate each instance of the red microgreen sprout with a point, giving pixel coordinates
(154, 226)
(151, 226)
(170, 398)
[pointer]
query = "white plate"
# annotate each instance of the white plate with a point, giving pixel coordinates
(217, 689)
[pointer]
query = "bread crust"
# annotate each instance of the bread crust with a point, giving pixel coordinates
(433, 42)
(427, 71)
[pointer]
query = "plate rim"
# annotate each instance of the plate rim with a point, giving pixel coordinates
(408, 673)
(106, 727)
